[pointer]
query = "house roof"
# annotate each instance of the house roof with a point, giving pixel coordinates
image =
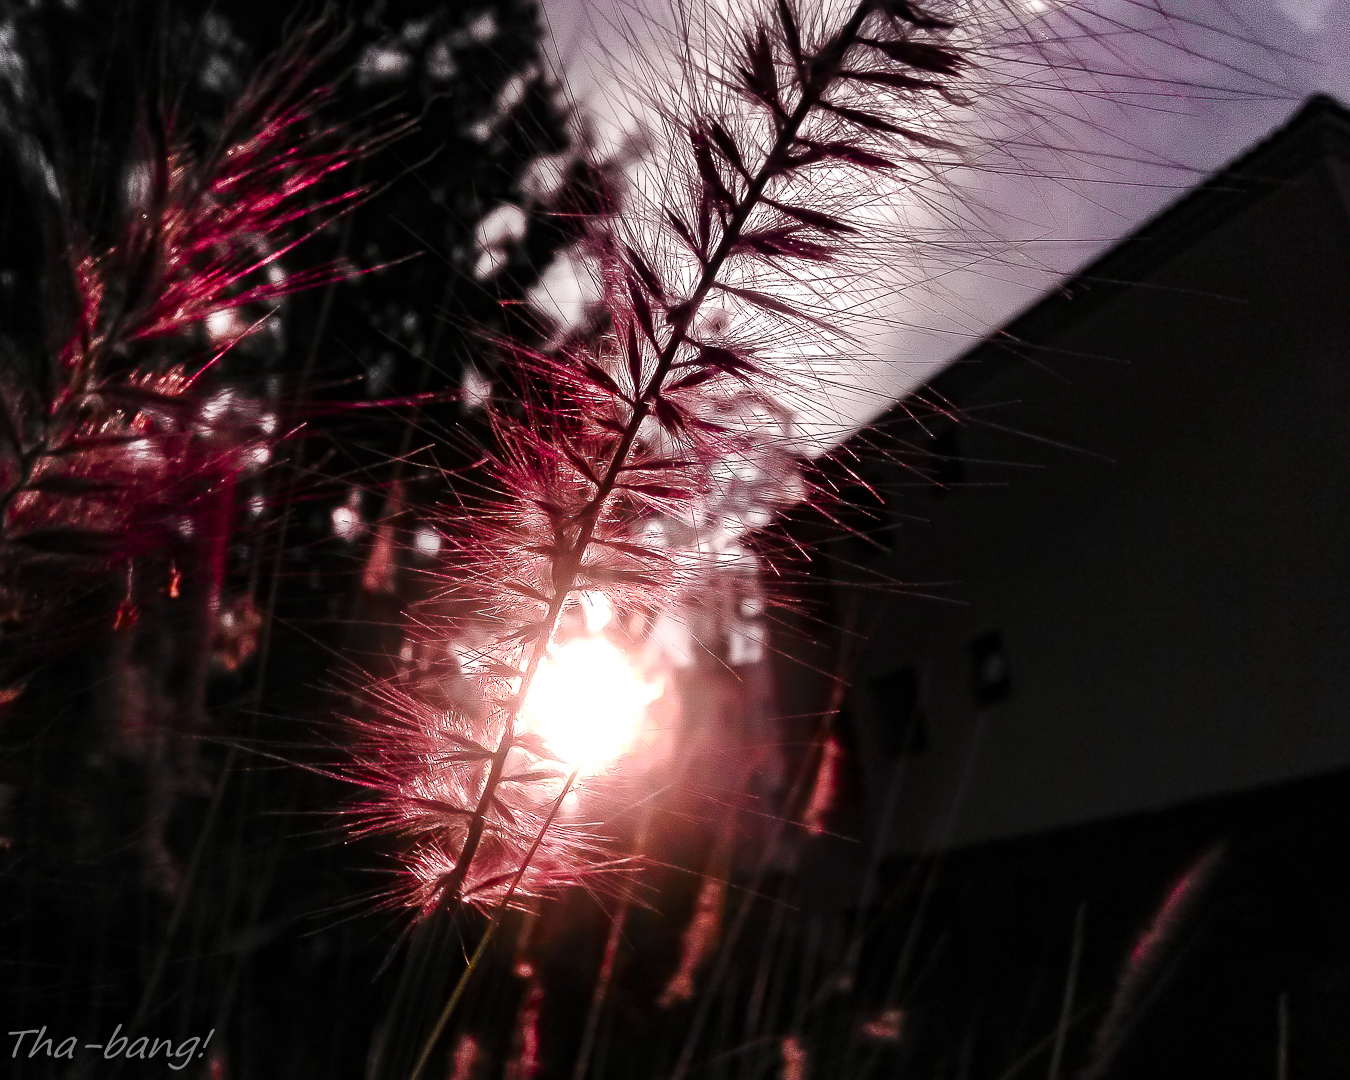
(1318, 130)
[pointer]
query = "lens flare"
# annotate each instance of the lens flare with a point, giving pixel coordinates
(586, 703)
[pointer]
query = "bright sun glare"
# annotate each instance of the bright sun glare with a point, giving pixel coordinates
(586, 702)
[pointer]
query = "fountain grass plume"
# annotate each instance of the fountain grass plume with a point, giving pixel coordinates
(617, 436)
(112, 435)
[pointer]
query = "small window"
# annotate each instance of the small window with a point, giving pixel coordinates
(991, 680)
(897, 702)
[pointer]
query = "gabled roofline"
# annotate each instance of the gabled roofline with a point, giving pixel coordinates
(1319, 129)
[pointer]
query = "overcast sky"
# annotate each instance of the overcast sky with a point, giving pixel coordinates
(1223, 75)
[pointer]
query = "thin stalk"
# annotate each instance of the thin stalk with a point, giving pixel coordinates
(770, 850)
(184, 892)
(458, 992)
(608, 964)
(1070, 987)
(568, 564)
(1282, 1047)
(189, 880)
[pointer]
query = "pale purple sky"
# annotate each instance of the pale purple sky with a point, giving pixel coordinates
(1138, 155)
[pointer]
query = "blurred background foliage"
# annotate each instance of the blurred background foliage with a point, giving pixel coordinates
(169, 862)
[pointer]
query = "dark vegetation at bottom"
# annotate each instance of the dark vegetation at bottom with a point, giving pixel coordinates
(960, 971)
(1270, 922)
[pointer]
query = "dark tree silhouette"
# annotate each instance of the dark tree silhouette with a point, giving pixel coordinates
(164, 640)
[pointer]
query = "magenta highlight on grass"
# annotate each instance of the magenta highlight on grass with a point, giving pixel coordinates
(122, 438)
(612, 473)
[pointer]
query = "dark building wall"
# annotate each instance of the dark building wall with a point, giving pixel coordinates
(1154, 519)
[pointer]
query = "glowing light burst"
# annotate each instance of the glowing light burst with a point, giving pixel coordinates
(587, 703)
